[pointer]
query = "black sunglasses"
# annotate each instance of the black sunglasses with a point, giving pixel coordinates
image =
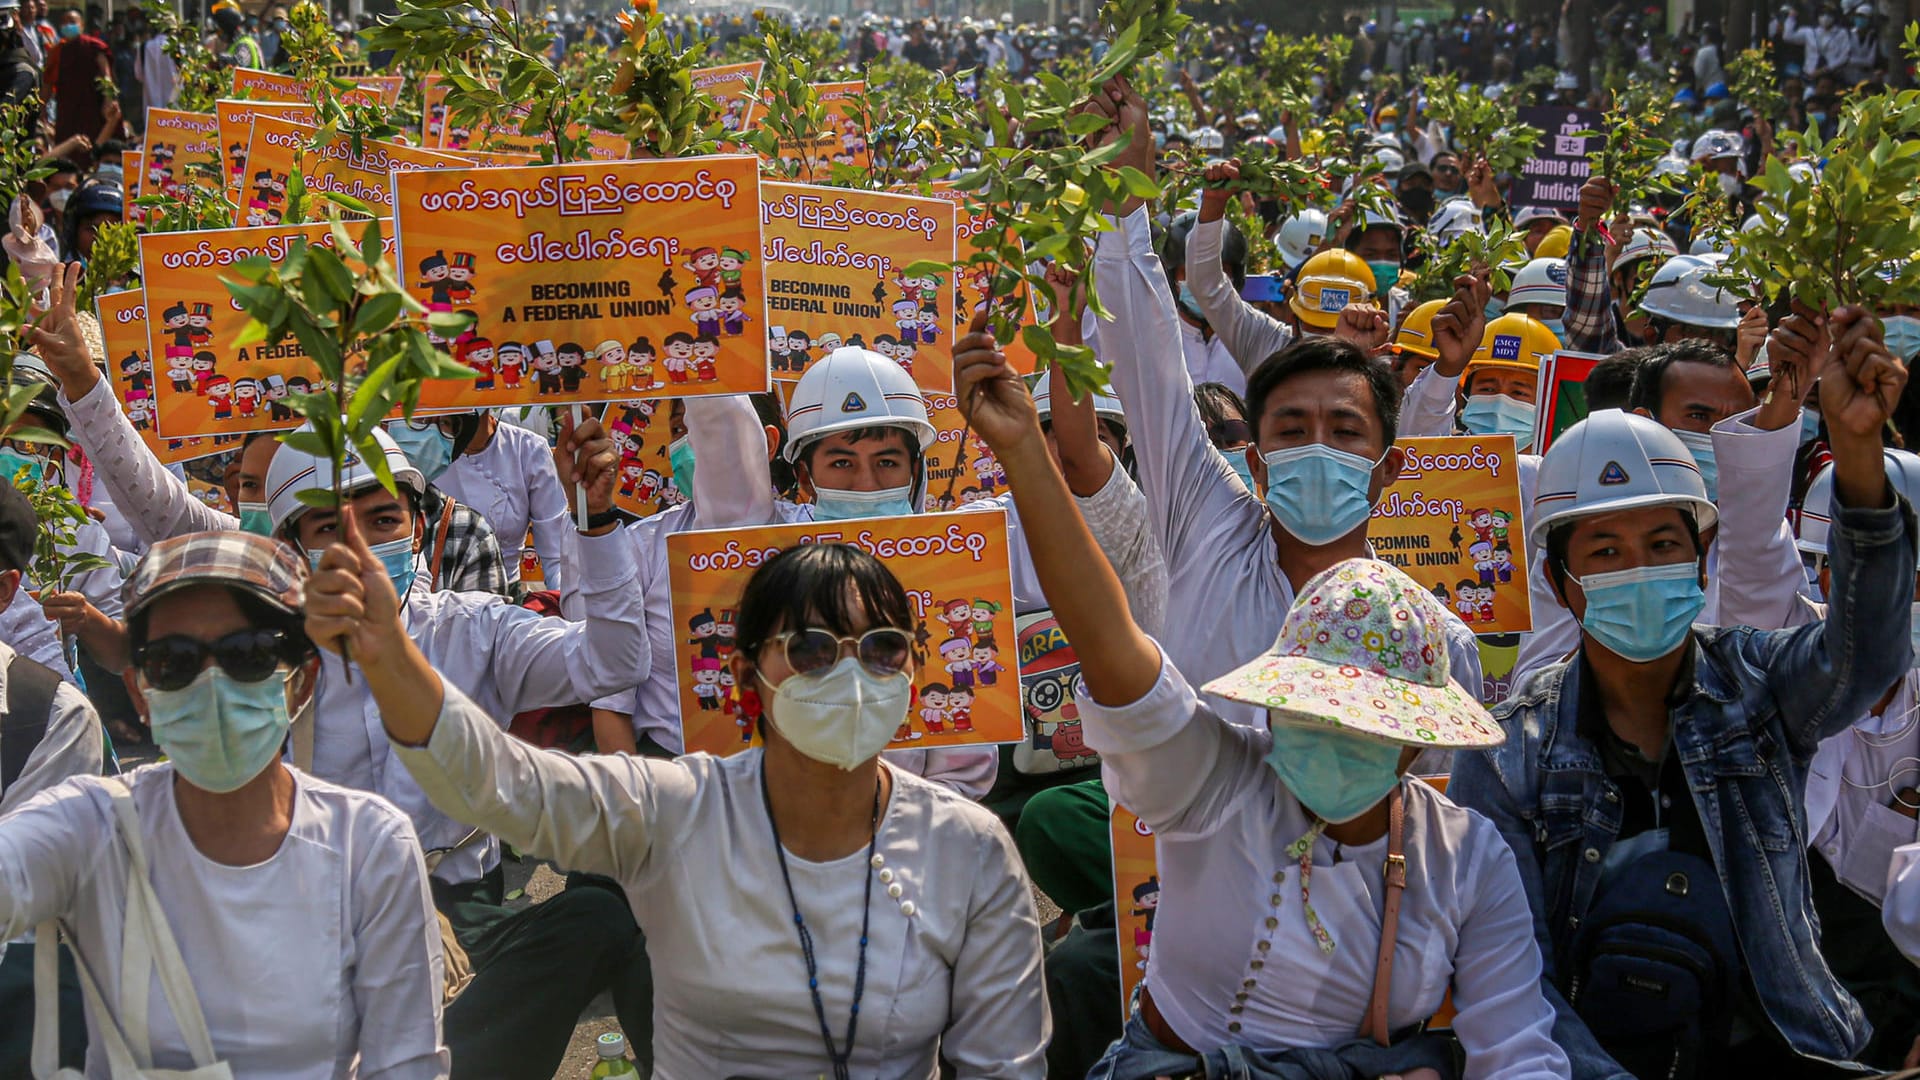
(174, 661)
(883, 650)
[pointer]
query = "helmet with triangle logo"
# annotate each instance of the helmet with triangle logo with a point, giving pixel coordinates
(1614, 461)
(854, 388)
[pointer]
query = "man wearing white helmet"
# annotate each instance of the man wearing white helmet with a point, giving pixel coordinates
(1539, 291)
(1662, 755)
(1536, 222)
(1212, 354)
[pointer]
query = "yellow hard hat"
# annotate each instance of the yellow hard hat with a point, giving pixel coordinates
(1327, 283)
(1386, 113)
(1555, 244)
(1519, 342)
(1416, 330)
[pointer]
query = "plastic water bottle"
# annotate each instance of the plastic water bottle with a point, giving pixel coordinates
(613, 1057)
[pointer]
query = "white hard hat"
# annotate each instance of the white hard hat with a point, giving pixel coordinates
(1753, 222)
(1455, 218)
(1104, 406)
(1388, 216)
(1541, 281)
(1816, 509)
(1207, 138)
(1671, 166)
(1679, 292)
(1804, 170)
(293, 471)
(1530, 214)
(1615, 460)
(1300, 236)
(854, 388)
(1716, 144)
(1566, 80)
(1390, 160)
(1646, 243)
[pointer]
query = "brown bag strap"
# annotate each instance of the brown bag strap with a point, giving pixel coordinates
(1396, 878)
(440, 540)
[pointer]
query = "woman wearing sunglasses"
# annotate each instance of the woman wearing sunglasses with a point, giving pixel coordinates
(809, 910)
(224, 876)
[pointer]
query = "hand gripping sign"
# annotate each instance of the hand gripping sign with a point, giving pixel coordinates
(570, 270)
(958, 578)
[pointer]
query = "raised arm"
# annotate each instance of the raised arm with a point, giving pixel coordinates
(1251, 335)
(1826, 674)
(1589, 313)
(732, 483)
(156, 503)
(594, 814)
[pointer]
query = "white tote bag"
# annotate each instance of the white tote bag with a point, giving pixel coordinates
(146, 945)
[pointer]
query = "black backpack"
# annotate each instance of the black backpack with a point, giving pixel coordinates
(30, 689)
(1655, 969)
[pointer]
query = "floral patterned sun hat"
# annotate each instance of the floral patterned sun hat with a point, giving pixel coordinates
(1364, 648)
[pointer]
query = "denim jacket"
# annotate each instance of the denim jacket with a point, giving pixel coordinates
(1760, 703)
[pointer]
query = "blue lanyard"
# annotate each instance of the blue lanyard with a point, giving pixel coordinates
(841, 1060)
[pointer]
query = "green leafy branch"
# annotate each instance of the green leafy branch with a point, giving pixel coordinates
(1481, 128)
(1632, 145)
(661, 111)
(202, 78)
(1754, 83)
(446, 35)
(57, 561)
(1468, 253)
(114, 261)
(16, 315)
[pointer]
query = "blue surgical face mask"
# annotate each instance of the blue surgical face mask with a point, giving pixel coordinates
(1189, 306)
(256, 519)
(1902, 333)
(397, 557)
(69, 31)
(1496, 307)
(1237, 461)
(1559, 328)
(1644, 613)
(220, 732)
(1701, 446)
(1385, 274)
(680, 454)
(1387, 129)
(1498, 414)
(831, 505)
(1809, 426)
(1336, 774)
(12, 461)
(1317, 493)
(429, 449)
(1817, 117)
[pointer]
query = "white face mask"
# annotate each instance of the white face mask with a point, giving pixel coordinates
(841, 716)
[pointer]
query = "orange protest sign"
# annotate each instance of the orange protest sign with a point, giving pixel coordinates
(381, 90)
(234, 120)
(973, 284)
(1136, 898)
(836, 265)
(278, 146)
(490, 158)
(1453, 522)
(256, 85)
(133, 164)
(209, 385)
(958, 578)
(958, 473)
(571, 269)
(503, 134)
(735, 87)
(641, 435)
(123, 331)
(842, 142)
(182, 148)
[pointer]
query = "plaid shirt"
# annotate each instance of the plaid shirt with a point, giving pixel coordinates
(1589, 315)
(471, 561)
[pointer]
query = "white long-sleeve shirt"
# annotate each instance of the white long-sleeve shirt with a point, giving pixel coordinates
(1226, 596)
(71, 745)
(953, 965)
(1250, 335)
(512, 483)
(1850, 819)
(321, 962)
(157, 74)
(508, 658)
(1231, 919)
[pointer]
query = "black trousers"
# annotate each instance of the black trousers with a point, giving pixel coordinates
(535, 971)
(16, 1013)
